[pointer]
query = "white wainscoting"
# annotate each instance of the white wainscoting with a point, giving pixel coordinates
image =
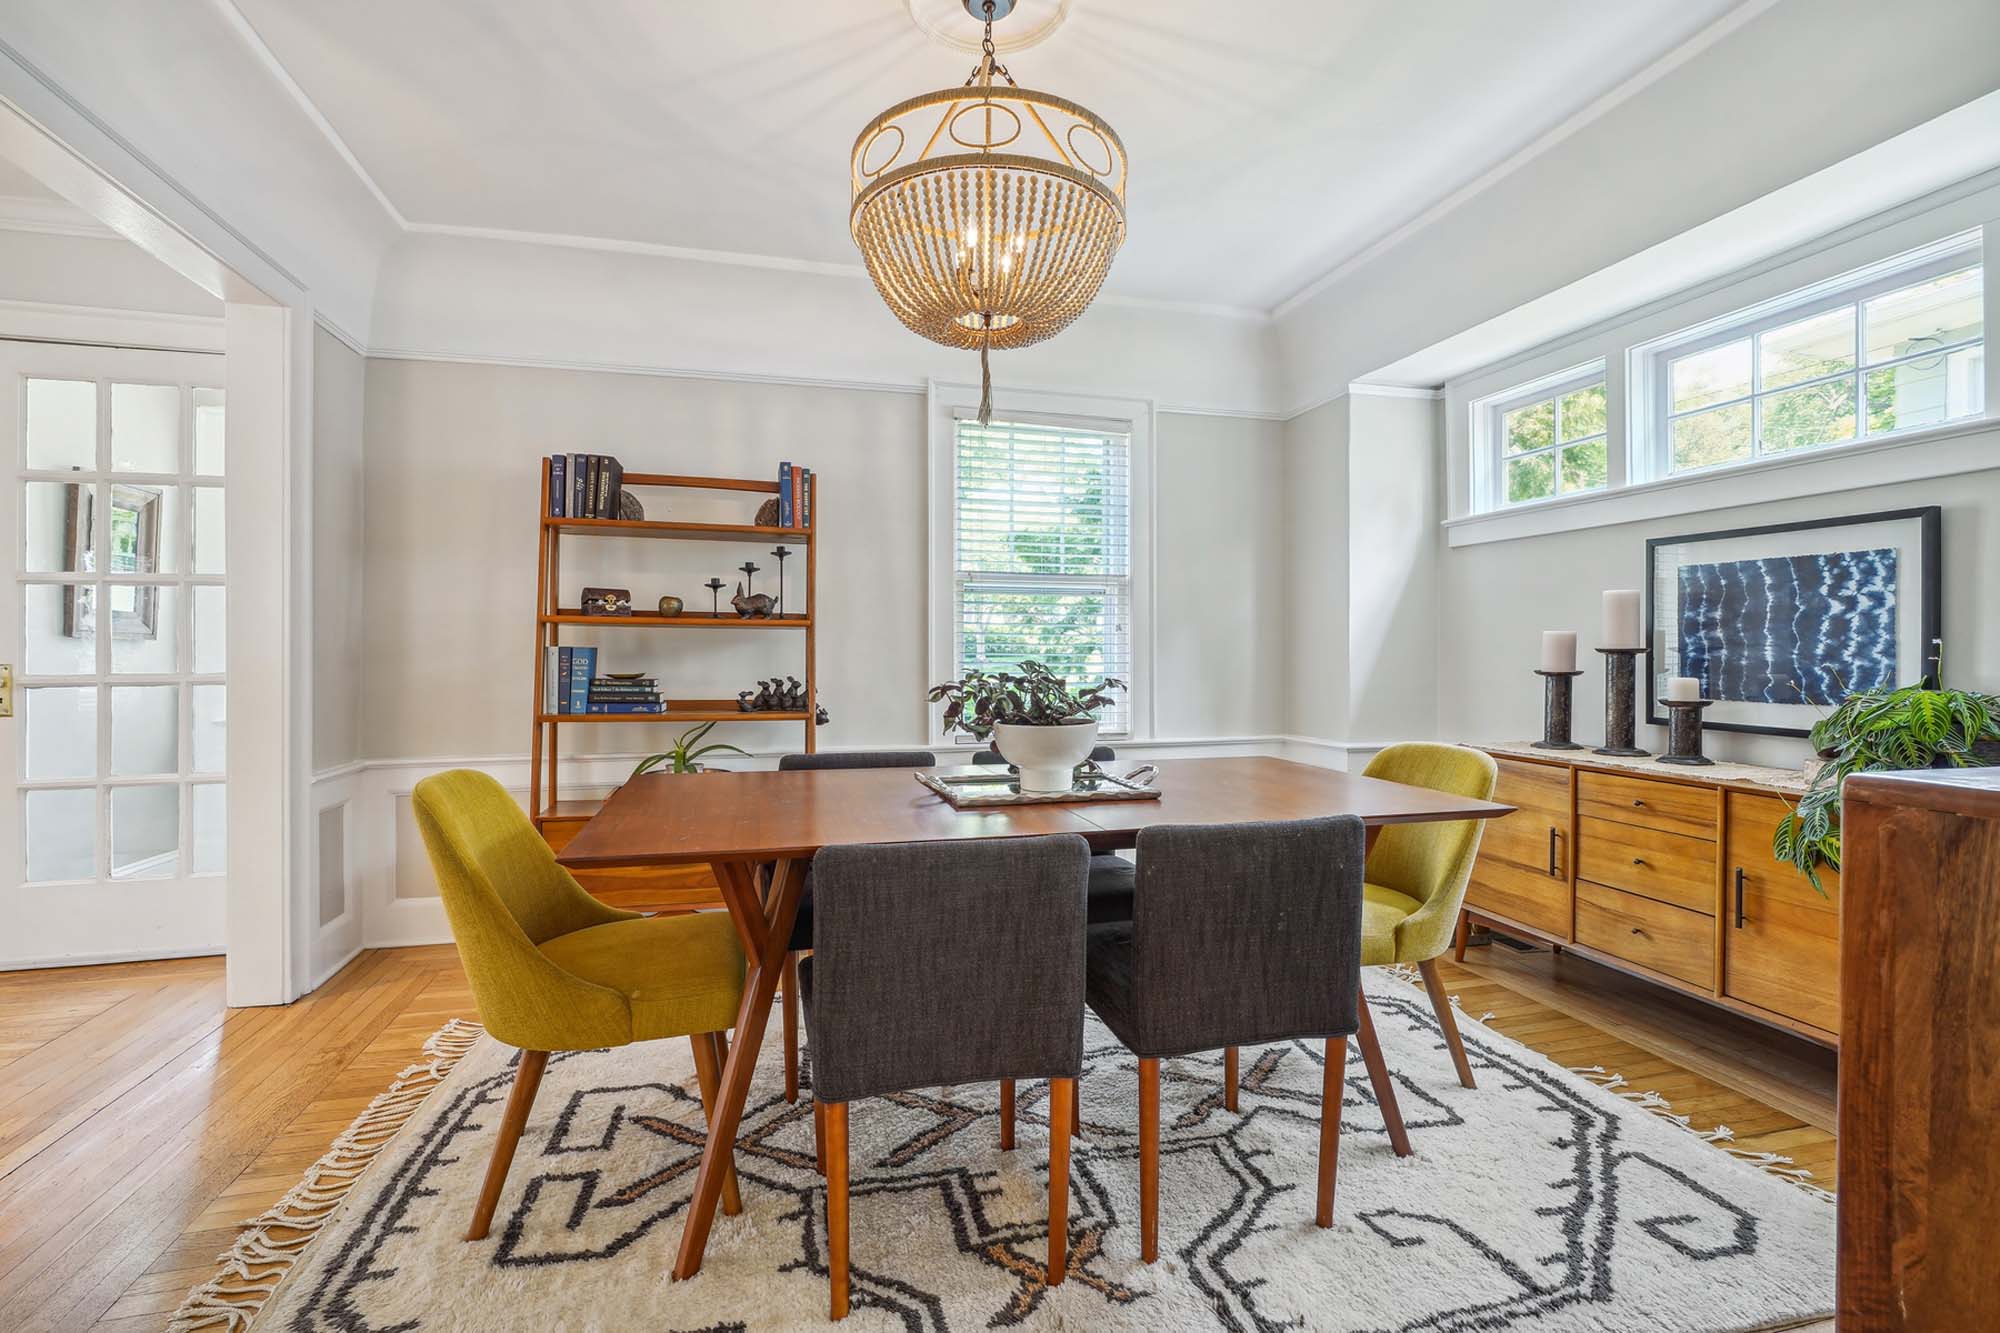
(390, 899)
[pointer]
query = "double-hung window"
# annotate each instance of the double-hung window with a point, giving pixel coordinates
(1869, 355)
(1041, 552)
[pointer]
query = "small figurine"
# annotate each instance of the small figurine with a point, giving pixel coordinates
(753, 606)
(671, 606)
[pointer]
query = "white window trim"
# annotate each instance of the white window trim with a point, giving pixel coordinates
(1489, 485)
(1134, 417)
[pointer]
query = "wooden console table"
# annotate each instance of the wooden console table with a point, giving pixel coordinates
(1665, 873)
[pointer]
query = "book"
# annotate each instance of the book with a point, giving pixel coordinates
(632, 708)
(583, 664)
(624, 696)
(614, 486)
(558, 486)
(784, 495)
(577, 508)
(551, 664)
(562, 680)
(806, 508)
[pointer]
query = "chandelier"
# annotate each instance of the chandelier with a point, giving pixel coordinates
(987, 214)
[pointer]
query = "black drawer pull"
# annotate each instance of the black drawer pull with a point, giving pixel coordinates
(1637, 802)
(1739, 897)
(1552, 852)
(1638, 860)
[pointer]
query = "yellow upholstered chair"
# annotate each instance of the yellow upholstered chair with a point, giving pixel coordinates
(553, 969)
(1417, 872)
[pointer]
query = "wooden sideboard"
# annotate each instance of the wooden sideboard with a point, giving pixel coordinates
(1665, 873)
(1920, 1070)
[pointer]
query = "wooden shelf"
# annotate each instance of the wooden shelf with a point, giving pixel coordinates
(714, 532)
(681, 710)
(568, 810)
(653, 620)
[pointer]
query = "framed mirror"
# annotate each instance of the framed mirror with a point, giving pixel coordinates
(130, 535)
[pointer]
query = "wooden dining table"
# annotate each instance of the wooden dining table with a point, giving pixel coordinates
(758, 832)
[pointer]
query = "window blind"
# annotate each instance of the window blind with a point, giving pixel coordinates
(1042, 553)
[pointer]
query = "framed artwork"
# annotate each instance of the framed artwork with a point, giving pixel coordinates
(1780, 623)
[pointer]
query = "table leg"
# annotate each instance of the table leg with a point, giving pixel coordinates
(773, 931)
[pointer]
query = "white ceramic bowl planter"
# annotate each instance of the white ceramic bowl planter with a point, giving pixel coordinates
(1047, 756)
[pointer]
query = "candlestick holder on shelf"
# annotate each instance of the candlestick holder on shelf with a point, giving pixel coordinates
(1684, 732)
(1620, 722)
(1556, 710)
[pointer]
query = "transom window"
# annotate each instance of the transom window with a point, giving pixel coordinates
(1042, 552)
(1896, 355)
(1549, 438)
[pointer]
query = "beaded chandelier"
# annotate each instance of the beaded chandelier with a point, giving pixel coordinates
(987, 214)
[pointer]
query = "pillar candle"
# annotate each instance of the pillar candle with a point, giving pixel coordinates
(1621, 620)
(1684, 689)
(1558, 650)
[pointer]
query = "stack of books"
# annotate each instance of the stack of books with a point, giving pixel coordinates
(570, 684)
(795, 496)
(585, 486)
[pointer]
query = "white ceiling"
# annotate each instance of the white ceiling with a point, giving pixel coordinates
(1270, 141)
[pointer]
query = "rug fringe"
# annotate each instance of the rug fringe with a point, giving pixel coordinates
(251, 1268)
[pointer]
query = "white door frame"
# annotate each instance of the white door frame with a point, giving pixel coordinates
(267, 336)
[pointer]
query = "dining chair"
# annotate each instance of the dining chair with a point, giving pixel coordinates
(553, 969)
(1110, 875)
(945, 963)
(802, 925)
(1240, 934)
(1102, 754)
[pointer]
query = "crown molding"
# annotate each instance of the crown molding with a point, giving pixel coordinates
(1364, 389)
(49, 217)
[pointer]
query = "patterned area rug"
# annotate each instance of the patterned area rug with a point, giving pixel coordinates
(1540, 1200)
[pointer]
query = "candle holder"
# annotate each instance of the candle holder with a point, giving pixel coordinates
(1555, 710)
(715, 587)
(1684, 732)
(1620, 720)
(781, 552)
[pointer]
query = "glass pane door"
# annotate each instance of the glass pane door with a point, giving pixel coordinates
(115, 607)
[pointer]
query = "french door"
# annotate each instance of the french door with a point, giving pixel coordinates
(113, 620)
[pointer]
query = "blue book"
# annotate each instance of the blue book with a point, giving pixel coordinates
(558, 487)
(784, 495)
(583, 665)
(562, 681)
(608, 707)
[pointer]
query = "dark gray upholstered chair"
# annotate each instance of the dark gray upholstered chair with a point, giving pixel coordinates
(943, 963)
(802, 928)
(1242, 934)
(1102, 754)
(1110, 876)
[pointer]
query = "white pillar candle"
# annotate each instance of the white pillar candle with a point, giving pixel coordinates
(1684, 689)
(1558, 650)
(1621, 620)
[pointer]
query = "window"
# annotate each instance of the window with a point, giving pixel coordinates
(1041, 552)
(1549, 438)
(1892, 349)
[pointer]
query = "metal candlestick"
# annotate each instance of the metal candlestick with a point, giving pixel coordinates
(749, 577)
(781, 552)
(1555, 710)
(715, 587)
(1620, 722)
(1684, 732)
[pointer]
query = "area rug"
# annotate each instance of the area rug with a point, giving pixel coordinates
(1542, 1200)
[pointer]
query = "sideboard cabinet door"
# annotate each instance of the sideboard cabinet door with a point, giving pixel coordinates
(1523, 871)
(1780, 936)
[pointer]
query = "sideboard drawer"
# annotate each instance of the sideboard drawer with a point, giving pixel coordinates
(1667, 867)
(1669, 940)
(1667, 806)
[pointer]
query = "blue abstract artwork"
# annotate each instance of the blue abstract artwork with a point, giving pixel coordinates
(1799, 629)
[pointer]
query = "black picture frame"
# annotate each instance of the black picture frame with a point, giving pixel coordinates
(1929, 594)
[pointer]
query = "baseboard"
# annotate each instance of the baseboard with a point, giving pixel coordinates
(122, 956)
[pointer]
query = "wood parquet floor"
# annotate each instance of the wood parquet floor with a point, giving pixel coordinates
(141, 1121)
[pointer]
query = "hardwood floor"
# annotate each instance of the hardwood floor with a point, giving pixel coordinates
(141, 1121)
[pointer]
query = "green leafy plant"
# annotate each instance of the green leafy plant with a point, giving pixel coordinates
(1873, 731)
(1036, 697)
(686, 755)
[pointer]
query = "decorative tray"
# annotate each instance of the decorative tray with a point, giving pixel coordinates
(981, 786)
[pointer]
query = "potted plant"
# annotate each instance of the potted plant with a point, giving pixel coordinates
(686, 755)
(1037, 722)
(1876, 730)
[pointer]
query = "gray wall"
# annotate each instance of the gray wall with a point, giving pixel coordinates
(1394, 504)
(1316, 572)
(450, 487)
(339, 382)
(1497, 598)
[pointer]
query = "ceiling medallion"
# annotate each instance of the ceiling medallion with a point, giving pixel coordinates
(987, 214)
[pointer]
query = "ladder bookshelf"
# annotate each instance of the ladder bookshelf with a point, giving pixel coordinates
(559, 818)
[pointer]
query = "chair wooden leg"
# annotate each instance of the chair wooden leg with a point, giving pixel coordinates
(1462, 935)
(527, 1078)
(1062, 1118)
(1378, 1077)
(1446, 1020)
(819, 1133)
(1149, 1160)
(836, 1204)
(1229, 1077)
(1007, 1115)
(1332, 1091)
(791, 985)
(709, 1054)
